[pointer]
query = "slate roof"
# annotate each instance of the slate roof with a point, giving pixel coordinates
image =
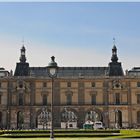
(134, 71)
(70, 71)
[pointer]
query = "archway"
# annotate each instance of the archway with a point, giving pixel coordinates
(119, 116)
(93, 119)
(93, 116)
(68, 118)
(138, 117)
(20, 120)
(1, 120)
(43, 119)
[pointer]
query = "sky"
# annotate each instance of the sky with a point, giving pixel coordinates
(76, 33)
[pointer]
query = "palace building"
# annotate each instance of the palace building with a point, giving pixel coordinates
(81, 94)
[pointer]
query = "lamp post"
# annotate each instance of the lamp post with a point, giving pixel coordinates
(52, 72)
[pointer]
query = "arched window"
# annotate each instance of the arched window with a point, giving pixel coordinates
(118, 118)
(20, 120)
(138, 117)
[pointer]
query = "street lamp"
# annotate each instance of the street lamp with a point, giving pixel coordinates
(52, 72)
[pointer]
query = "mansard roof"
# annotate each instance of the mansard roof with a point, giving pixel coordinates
(71, 71)
(135, 71)
(114, 68)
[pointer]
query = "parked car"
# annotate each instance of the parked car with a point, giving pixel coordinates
(88, 125)
(98, 125)
(93, 125)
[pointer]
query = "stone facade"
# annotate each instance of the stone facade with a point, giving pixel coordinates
(80, 94)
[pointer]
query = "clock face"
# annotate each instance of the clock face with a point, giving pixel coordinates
(52, 71)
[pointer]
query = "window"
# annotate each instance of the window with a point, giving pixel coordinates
(93, 99)
(81, 84)
(68, 84)
(21, 85)
(138, 84)
(138, 117)
(45, 99)
(20, 99)
(93, 84)
(138, 98)
(44, 84)
(70, 125)
(20, 120)
(117, 98)
(69, 99)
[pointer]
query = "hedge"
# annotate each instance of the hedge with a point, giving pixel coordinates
(59, 133)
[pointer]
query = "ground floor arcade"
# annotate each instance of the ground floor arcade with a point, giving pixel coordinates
(66, 117)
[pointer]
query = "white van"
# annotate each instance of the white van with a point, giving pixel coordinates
(98, 125)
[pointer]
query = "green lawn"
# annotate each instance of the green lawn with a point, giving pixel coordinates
(55, 138)
(123, 134)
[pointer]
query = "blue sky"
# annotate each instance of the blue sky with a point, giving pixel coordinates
(76, 33)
